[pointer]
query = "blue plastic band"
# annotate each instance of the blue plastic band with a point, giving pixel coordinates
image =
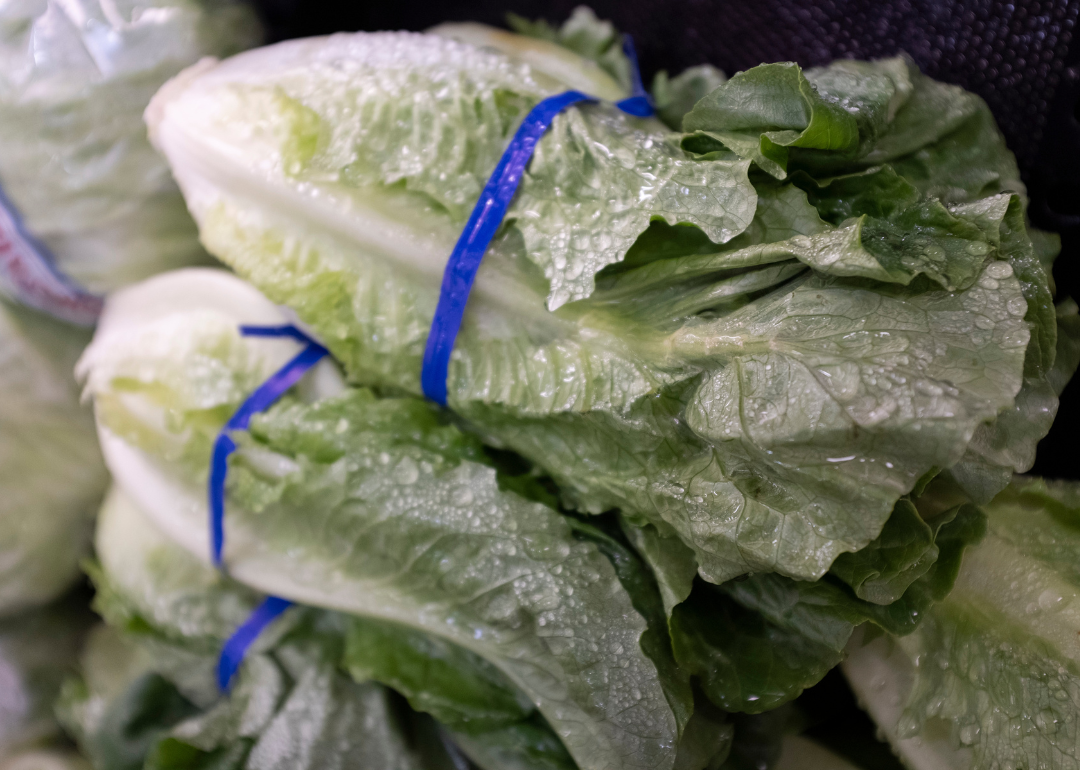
(232, 654)
(28, 274)
(483, 222)
(285, 330)
(266, 394)
(489, 213)
(638, 104)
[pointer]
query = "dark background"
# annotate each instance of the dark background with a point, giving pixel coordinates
(1022, 57)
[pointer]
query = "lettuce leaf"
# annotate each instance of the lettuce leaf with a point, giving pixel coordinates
(755, 644)
(598, 41)
(74, 158)
(45, 435)
(761, 113)
(460, 689)
(754, 378)
(583, 33)
(674, 97)
(989, 678)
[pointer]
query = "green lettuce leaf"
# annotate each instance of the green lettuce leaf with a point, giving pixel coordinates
(905, 232)
(378, 508)
(903, 552)
(940, 138)
(45, 435)
(945, 141)
(596, 181)
(74, 157)
(673, 564)
(520, 746)
(544, 55)
(583, 33)
(761, 113)
(990, 676)
(944, 240)
(491, 720)
(755, 644)
(674, 97)
(459, 688)
(1007, 445)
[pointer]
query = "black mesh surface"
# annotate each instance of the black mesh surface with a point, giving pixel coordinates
(1021, 56)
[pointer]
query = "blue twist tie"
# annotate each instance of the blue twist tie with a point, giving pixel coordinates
(488, 214)
(267, 393)
(28, 273)
(232, 654)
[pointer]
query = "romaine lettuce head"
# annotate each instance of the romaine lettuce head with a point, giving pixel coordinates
(75, 78)
(991, 678)
(51, 472)
(377, 508)
(755, 337)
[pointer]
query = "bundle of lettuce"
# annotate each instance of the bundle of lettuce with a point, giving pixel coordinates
(75, 163)
(79, 179)
(720, 397)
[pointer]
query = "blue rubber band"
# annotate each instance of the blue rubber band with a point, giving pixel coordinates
(29, 274)
(232, 653)
(638, 104)
(487, 216)
(266, 394)
(285, 330)
(479, 230)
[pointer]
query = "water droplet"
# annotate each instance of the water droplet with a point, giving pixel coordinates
(999, 269)
(968, 734)
(546, 548)
(1015, 339)
(988, 283)
(461, 497)
(1017, 306)
(1050, 599)
(1046, 722)
(406, 471)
